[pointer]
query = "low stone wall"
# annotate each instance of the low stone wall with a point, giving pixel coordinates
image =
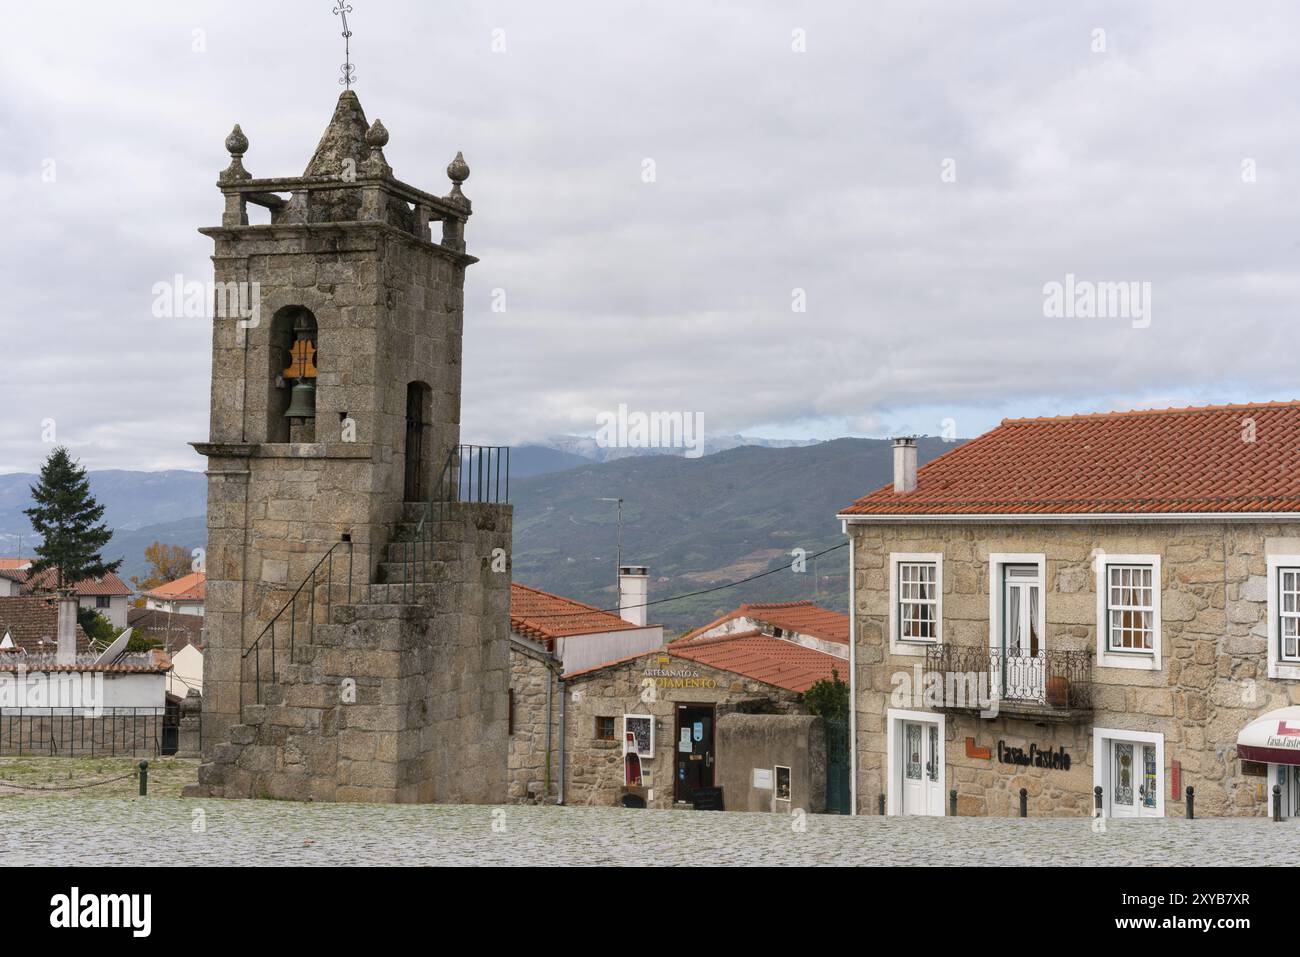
(749, 742)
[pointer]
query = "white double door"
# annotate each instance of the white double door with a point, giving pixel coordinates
(922, 780)
(1135, 779)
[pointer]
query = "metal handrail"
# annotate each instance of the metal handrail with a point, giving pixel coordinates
(255, 649)
(481, 483)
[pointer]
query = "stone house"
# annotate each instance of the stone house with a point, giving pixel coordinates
(550, 634)
(802, 622)
(1077, 603)
(677, 704)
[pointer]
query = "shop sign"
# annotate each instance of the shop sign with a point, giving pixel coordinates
(1053, 759)
(667, 678)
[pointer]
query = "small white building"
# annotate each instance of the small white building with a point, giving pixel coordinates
(107, 595)
(56, 691)
(581, 635)
(184, 596)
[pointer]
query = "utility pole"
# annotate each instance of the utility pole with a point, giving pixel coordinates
(618, 561)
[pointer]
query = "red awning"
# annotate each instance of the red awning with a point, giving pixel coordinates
(1273, 738)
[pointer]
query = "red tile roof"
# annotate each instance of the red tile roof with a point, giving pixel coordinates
(539, 614)
(770, 660)
(749, 654)
(186, 588)
(47, 580)
(13, 564)
(799, 616)
(32, 620)
(156, 666)
(1228, 458)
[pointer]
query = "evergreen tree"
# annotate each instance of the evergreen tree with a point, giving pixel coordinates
(66, 516)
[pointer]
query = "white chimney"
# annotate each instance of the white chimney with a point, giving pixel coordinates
(633, 593)
(904, 465)
(67, 648)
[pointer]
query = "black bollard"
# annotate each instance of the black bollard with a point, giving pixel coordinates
(1096, 801)
(1277, 802)
(1024, 802)
(952, 802)
(882, 805)
(144, 778)
(1191, 803)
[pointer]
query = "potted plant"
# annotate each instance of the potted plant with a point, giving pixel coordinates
(1058, 691)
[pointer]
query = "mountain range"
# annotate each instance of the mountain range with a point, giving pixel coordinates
(697, 523)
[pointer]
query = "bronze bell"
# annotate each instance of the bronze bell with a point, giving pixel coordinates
(302, 401)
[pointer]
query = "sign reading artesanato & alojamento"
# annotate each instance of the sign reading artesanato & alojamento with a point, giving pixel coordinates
(667, 678)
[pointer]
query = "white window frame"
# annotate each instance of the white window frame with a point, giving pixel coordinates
(1277, 668)
(1101, 738)
(913, 646)
(894, 718)
(1108, 657)
(997, 561)
(645, 755)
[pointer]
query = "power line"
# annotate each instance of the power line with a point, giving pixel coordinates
(692, 594)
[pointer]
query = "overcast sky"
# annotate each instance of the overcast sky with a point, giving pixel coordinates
(776, 170)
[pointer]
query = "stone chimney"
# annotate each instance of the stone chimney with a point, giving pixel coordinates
(904, 465)
(67, 648)
(633, 593)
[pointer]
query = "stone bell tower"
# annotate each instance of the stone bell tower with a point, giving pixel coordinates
(357, 648)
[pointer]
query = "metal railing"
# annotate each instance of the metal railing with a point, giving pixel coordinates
(321, 573)
(1051, 679)
(82, 731)
(471, 473)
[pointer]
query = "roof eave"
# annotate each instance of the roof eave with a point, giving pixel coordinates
(1029, 518)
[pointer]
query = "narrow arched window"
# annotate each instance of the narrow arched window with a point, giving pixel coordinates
(291, 376)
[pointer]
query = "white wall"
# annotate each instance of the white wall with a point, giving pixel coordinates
(175, 607)
(577, 652)
(115, 612)
(82, 689)
(187, 664)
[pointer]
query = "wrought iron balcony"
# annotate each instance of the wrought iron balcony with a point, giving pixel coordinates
(1049, 685)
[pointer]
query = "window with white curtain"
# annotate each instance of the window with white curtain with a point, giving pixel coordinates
(918, 599)
(1130, 608)
(1288, 591)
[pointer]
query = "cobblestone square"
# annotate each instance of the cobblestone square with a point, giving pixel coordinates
(160, 830)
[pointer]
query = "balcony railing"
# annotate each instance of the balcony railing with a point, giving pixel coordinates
(1046, 681)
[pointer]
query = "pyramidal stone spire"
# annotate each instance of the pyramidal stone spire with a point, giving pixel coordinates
(343, 139)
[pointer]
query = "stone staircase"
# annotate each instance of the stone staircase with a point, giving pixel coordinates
(374, 694)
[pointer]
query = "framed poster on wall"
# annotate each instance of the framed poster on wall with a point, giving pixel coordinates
(642, 727)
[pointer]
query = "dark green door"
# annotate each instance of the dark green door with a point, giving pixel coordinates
(837, 765)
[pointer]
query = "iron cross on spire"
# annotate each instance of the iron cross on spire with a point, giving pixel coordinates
(349, 76)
